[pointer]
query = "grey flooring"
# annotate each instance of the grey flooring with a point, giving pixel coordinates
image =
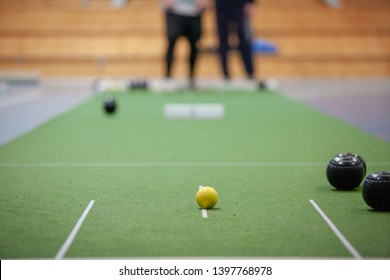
(363, 103)
(23, 108)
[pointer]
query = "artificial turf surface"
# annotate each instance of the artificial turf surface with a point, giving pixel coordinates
(266, 159)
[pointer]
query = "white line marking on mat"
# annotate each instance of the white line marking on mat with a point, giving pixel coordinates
(204, 211)
(340, 236)
(172, 164)
(61, 253)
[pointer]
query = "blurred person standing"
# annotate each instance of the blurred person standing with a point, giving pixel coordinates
(235, 15)
(183, 18)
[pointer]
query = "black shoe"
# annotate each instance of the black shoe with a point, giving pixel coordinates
(262, 85)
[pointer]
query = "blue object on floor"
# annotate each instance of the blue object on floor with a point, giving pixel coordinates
(262, 46)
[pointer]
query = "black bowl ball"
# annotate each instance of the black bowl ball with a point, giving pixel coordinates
(364, 164)
(109, 104)
(376, 190)
(345, 171)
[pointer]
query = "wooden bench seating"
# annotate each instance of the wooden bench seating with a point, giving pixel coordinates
(58, 36)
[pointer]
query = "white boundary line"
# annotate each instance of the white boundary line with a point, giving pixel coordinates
(173, 164)
(204, 211)
(339, 235)
(61, 253)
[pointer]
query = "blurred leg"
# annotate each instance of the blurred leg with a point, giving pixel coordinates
(223, 34)
(245, 43)
(174, 26)
(193, 35)
(169, 57)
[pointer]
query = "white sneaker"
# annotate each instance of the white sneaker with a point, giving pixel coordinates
(168, 85)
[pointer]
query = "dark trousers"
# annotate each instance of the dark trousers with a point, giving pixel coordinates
(229, 19)
(187, 26)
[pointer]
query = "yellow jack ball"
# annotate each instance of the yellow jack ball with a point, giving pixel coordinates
(206, 197)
